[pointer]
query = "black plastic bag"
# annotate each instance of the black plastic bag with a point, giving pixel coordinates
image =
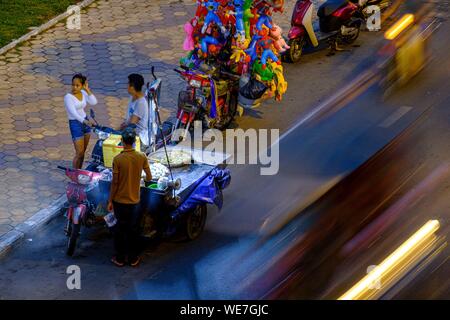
(253, 90)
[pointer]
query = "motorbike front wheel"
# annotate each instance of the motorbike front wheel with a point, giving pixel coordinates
(295, 52)
(73, 237)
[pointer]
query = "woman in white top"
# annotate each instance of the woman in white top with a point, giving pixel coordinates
(80, 127)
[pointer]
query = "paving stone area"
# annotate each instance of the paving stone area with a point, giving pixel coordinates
(116, 38)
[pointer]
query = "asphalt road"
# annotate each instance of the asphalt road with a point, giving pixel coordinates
(312, 157)
(320, 236)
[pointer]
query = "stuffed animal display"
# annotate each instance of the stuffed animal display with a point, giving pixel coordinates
(240, 35)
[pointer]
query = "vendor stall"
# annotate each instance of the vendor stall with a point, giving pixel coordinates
(241, 36)
(175, 201)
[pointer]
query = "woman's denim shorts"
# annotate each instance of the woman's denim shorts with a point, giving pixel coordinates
(78, 129)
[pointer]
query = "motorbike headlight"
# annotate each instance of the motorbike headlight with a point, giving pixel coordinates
(83, 179)
(195, 83)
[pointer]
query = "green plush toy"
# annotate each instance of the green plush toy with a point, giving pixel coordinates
(247, 16)
(188, 61)
(265, 74)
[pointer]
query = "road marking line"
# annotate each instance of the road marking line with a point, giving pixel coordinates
(395, 117)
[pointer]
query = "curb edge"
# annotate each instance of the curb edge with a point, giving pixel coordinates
(13, 237)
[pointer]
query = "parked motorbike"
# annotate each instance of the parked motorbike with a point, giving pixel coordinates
(339, 23)
(81, 209)
(209, 97)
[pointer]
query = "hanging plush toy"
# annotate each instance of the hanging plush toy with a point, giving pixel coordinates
(189, 43)
(251, 51)
(264, 74)
(226, 13)
(239, 12)
(264, 20)
(206, 42)
(212, 17)
(239, 58)
(200, 13)
(277, 35)
(247, 16)
(265, 44)
(280, 82)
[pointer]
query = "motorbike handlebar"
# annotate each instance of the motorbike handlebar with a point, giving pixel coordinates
(231, 75)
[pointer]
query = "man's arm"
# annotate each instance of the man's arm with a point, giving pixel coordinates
(140, 112)
(148, 173)
(134, 119)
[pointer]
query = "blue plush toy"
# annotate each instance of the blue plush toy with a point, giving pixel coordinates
(251, 51)
(212, 16)
(239, 9)
(207, 41)
(264, 19)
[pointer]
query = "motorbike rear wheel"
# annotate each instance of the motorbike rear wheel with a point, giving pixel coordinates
(232, 110)
(294, 54)
(73, 237)
(347, 40)
(195, 222)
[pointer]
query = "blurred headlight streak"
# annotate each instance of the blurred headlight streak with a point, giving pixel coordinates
(396, 265)
(399, 26)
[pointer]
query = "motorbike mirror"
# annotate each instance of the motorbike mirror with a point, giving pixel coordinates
(153, 72)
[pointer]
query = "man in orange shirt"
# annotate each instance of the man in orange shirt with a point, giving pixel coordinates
(125, 197)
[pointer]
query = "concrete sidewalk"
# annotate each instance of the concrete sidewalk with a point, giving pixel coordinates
(116, 38)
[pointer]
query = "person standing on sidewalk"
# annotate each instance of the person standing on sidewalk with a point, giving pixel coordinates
(80, 127)
(138, 109)
(125, 197)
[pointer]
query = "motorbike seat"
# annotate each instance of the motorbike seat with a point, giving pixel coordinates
(326, 9)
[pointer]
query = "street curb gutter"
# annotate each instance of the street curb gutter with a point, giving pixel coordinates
(43, 27)
(11, 238)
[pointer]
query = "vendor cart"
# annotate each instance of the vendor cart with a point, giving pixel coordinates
(176, 204)
(168, 207)
(179, 207)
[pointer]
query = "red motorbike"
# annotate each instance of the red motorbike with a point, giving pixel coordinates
(80, 209)
(339, 23)
(209, 97)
